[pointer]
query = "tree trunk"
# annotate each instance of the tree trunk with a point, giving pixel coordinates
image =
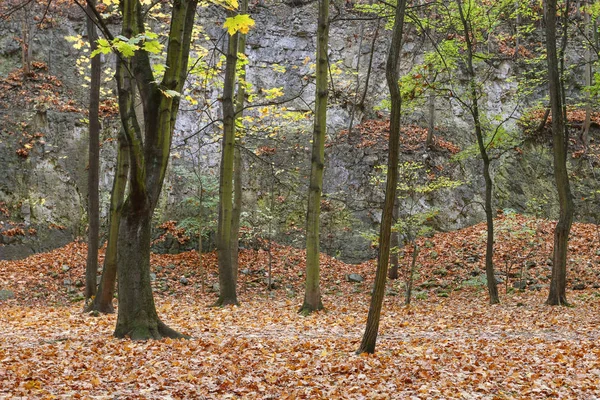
(430, 121)
(557, 294)
(103, 302)
(585, 129)
(227, 283)
(26, 47)
(236, 212)
(370, 336)
(237, 157)
(149, 151)
(489, 248)
(312, 295)
(475, 113)
(395, 247)
(411, 274)
(91, 267)
(137, 313)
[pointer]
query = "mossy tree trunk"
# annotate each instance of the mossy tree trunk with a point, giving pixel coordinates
(369, 338)
(560, 140)
(237, 157)
(312, 295)
(103, 302)
(149, 151)
(475, 114)
(91, 266)
(227, 276)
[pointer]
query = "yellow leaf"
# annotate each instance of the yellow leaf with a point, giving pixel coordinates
(241, 23)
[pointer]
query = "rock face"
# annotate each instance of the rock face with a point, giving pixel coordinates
(44, 194)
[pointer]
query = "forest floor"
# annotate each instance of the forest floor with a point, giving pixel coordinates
(449, 343)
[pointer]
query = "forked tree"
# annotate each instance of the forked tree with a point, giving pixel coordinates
(149, 144)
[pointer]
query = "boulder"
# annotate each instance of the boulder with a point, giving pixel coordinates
(355, 278)
(6, 294)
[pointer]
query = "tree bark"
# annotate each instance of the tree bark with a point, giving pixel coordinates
(430, 121)
(103, 302)
(91, 266)
(370, 335)
(312, 295)
(237, 156)
(475, 113)
(395, 248)
(137, 313)
(585, 129)
(227, 283)
(149, 151)
(557, 294)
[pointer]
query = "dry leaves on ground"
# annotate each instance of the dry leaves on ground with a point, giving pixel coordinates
(440, 347)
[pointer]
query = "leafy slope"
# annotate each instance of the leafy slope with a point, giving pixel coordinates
(440, 347)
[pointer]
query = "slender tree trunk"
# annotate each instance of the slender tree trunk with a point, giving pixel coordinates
(200, 232)
(354, 103)
(475, 113)
(26, 46)
(489, 248)
(227, 283)
(371, 330)
(312, 296)
(237, 157)
(430, 120)
(395, 247)
(91, 267)
(411, 273)
(361, 105)
(103, 302)
(585, 129)
(517, 30)
(557, 294)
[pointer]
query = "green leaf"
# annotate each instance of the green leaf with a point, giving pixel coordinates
(241, 23)
(126, 48)
(153, 47)
(103, 48)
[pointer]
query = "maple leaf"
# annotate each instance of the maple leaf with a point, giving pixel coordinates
(241, 23)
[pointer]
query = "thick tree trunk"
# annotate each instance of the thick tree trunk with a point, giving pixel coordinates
(149, 152)
(91, 267)
(103, 302)
(227, 283)
(371, 330)
(557, 294)
(475, 113)
(137, 313)
(312, 295)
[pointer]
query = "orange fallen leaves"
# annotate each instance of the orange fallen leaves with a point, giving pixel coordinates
(454, 347)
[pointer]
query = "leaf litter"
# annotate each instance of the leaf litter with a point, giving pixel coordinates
(448, 344)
